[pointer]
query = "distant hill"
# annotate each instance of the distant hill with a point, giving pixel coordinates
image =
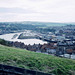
(41, 23)
(48, 23)
(44, 23)
(36, 61)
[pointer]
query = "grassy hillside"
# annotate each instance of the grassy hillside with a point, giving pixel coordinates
(36, 61)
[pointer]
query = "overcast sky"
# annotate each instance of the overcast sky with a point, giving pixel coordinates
(37, 10)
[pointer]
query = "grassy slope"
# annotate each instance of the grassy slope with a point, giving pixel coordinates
(36, 61)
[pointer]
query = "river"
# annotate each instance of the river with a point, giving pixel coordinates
(9, 37)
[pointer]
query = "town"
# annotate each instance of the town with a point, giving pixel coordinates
(59, 43)
(60, 39)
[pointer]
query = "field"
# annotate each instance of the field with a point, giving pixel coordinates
(36, 61)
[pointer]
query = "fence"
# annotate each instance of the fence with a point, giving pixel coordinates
(10, 70)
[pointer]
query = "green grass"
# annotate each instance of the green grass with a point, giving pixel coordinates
(36, 61)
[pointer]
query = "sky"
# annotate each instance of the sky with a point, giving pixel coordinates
(37, 10)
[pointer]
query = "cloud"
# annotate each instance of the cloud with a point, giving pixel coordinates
(16, 10)
(37, 10)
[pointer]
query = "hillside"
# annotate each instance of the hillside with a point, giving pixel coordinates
(36, 61)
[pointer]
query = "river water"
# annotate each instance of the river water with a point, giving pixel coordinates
(9, 37)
